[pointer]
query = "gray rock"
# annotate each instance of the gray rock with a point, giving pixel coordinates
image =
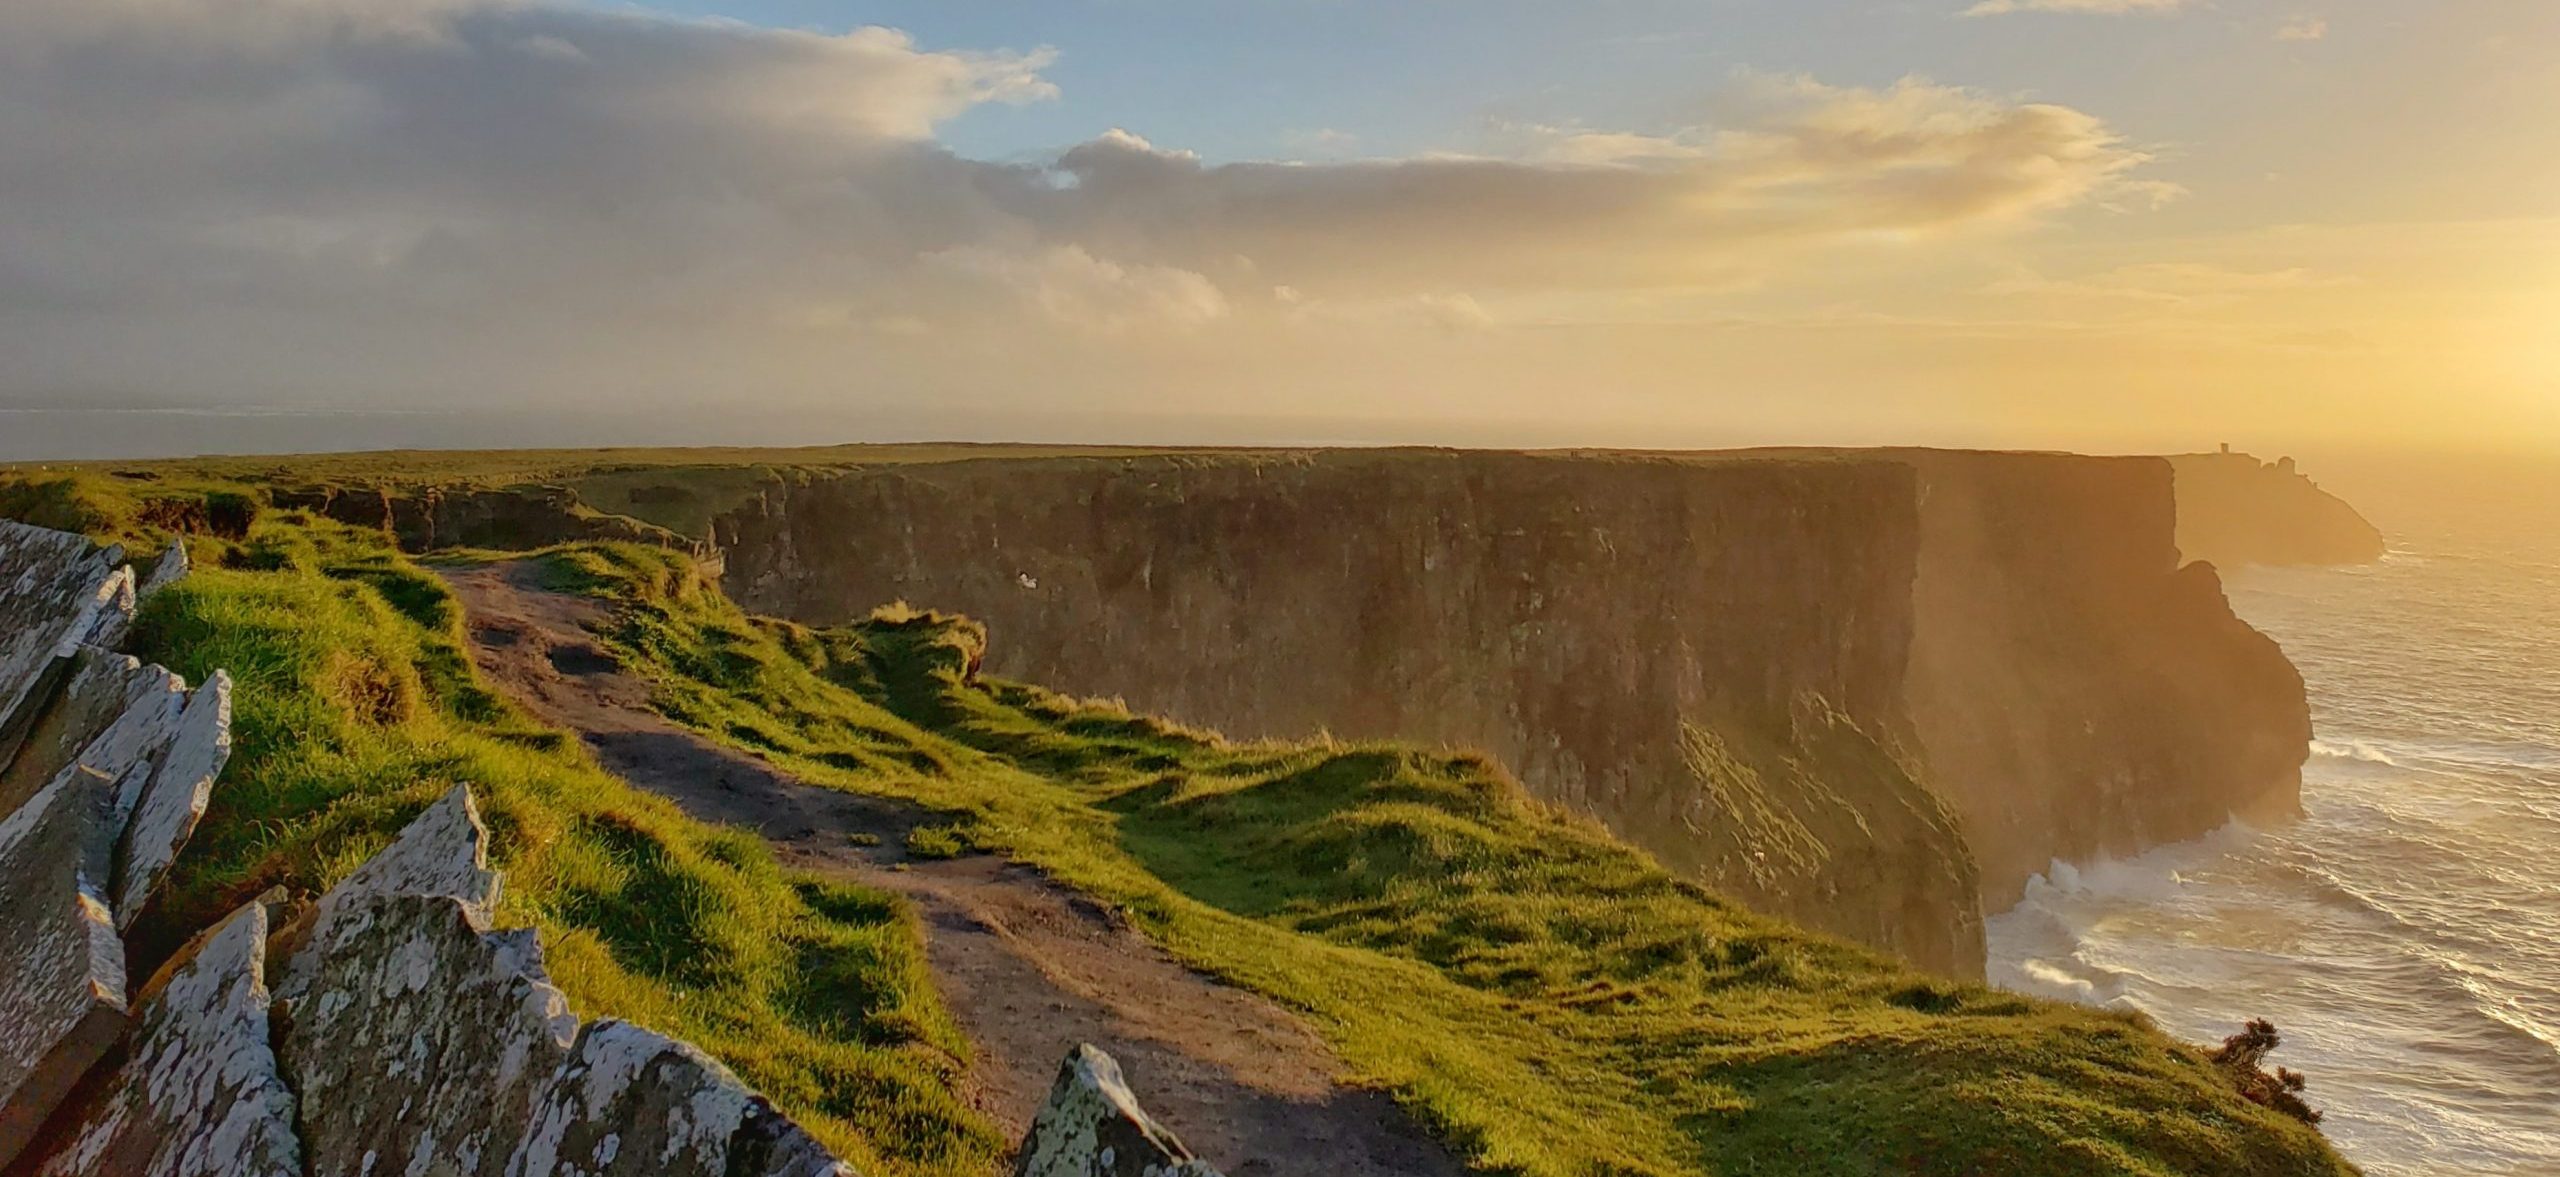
(1092, 1126)
(55, 593)
(164, 815)
(112, 702)
(422, 1042)
(112, 616)
(418, 1040)
(171, 569)
(200, 1094)
(62, 969)
(443, 851)
(635, 1103)
(415, 1035)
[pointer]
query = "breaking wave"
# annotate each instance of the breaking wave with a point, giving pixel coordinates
(2405, 935)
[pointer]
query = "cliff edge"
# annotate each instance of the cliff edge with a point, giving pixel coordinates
(2234, 510)
(1869, 691)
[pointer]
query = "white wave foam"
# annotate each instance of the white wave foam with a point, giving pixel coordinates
(2358, 751)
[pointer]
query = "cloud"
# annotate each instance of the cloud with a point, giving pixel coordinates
(2169, 284)
(1071, 286)
(2104, 7)
(344, 197)
(2303, 28)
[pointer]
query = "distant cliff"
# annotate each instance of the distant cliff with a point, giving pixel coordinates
(1869, 691)
(2235, 510)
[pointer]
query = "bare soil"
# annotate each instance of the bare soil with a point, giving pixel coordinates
(1030, 968)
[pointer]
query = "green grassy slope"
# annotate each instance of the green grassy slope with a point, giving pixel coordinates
(1551, 1000)
(356, 706)
(1548, 1000)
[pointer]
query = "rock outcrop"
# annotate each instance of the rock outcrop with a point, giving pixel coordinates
(1092, 1126)
(200, 1095)
(106, 769)
(420, 1040)
(1870, 691)
(2234, 510)
(62, 971)
(405, 1034)
(57, 592)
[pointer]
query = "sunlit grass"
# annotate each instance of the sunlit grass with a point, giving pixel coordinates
(355, 706)
(1548, 999)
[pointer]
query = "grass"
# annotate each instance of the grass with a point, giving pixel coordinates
(1548, 1000)
(356, 706)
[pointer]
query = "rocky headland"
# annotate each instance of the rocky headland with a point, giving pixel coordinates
(2235, 510)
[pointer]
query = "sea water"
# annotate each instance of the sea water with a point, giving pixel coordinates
(2405, 935)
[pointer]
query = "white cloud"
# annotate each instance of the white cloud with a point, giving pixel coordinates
(331, 194)
(2105, 7)
(2303, 28)
(1074, 287)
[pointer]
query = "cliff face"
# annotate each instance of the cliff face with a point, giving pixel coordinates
(1807, 680)
(2235, 510)
(2079, 694)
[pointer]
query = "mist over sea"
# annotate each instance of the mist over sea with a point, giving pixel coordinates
(2405, 936)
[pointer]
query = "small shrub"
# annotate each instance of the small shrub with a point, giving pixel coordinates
(2244, 1054)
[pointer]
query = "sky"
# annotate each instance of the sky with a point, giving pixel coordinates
(2091, 224)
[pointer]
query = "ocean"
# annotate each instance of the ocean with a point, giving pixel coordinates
(2405, 935)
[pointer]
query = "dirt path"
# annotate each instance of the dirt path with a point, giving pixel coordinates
(1028, 967)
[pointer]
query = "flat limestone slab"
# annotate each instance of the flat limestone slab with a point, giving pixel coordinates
(200, 1094)
(632, 1103)
(62, 969)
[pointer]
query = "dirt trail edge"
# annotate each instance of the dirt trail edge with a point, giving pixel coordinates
(1030, 968)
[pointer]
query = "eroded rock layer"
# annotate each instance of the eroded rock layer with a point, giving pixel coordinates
(1831, 683)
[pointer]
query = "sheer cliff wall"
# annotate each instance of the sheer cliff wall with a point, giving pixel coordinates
(1810, 680)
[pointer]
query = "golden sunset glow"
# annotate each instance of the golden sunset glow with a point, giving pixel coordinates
(2070, 223)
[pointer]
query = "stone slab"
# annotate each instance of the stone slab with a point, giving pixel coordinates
(164, 814)
(62, 968)
(417, 1037)
(171, 569)
(442, 851)
(199, 1094)
(56, 591)
(1092, 1126)
(633, 1103)
(111, 701)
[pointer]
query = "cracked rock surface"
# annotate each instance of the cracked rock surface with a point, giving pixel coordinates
(200, 1094)
(1092, 1126)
